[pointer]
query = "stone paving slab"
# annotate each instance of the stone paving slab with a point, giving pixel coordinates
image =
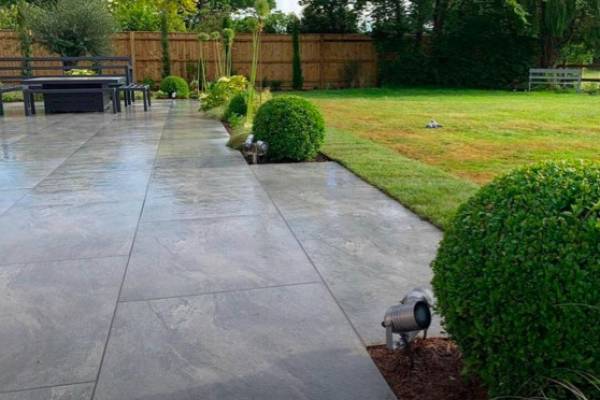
(277, 343)
(180, 258)
(69, 392)
(186, 193)
(137, 248)
(38, 233)
(25, 174)
(370, 250)
(54, 320)
(10, 197)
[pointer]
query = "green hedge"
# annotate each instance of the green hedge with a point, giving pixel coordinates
(517, 278)
(292, 126)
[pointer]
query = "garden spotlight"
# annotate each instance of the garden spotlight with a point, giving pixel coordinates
(408, 318)
(252, 150)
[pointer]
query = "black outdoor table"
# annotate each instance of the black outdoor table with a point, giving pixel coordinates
(59, 100)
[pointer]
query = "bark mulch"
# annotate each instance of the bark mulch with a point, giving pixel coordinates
(435, 373)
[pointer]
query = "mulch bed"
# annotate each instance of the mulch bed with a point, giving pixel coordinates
(435, 372)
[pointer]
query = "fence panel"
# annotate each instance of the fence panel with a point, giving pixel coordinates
(328, 60)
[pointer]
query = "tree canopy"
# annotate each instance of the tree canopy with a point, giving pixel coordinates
(330, 16)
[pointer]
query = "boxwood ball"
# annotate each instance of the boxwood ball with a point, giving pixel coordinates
(175, 84)
(517, 279)
(292, 126)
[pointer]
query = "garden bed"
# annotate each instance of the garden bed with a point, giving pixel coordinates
(435, 373)
(319, 158)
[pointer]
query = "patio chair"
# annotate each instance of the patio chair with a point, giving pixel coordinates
(129, 91)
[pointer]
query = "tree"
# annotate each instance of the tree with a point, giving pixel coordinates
(136, 15)
(210, 15)
(297, 77)
(330, 16)
(72, 27)
(144, 15)
(164, 42)
(420, 14)
(279, 22)
(483, 43)
(8, 17)
(558, 24)
(389, 22)
(203, 37)
(25, 36)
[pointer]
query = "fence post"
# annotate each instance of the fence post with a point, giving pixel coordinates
(132, 52)
(321, 62)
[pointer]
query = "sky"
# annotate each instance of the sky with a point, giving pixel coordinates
(288, 6)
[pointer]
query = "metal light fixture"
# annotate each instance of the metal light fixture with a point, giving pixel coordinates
(408, 318)
(253, 150)
(433, 124)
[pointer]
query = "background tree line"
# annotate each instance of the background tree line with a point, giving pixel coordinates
(489, 43)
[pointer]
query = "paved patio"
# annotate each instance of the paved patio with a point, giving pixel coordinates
(142, 259)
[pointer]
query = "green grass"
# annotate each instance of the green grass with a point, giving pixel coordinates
(380, 135)
(428, 191)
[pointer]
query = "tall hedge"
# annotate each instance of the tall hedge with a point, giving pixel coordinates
(473, 43)
(517, 278)
(164, 43)
(297, 77)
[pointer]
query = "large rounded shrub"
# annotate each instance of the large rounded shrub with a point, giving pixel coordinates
(175, 84)
(517, 278)
(292, 126)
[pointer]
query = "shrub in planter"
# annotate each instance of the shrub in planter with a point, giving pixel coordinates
(175, 84)
(292, 126)
(517, 278)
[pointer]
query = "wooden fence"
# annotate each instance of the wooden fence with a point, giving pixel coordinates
(328, 60)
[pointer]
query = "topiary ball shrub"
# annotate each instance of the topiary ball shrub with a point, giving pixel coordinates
(175, 84)
(517, 280)
(292, 126)
(238, 105)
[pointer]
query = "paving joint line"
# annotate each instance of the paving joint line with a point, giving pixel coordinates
(364, 344)
(225, 291)
(45, 387)
(112, 321)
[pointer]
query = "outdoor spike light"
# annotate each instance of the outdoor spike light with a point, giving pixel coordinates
(253, 150)
(408, 318)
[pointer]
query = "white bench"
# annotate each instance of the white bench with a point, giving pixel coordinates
(562, 77)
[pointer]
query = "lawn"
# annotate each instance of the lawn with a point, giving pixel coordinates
(380, 134)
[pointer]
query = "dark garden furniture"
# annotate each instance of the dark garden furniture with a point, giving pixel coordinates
(129, 94)
(15, 69)
(71, 94)
(62, 92)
